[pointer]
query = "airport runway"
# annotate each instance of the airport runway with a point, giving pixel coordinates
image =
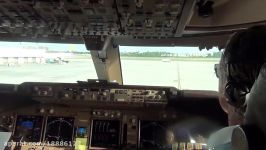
(197, 75)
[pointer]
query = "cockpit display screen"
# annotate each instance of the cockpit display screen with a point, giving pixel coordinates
(105, 134)
(81, 132)
(153, 135)
(164, 135)
(59, 129)
(29, 128)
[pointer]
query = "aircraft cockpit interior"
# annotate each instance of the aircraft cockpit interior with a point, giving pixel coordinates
(114, 74)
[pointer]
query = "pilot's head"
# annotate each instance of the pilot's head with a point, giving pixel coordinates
(239, 67)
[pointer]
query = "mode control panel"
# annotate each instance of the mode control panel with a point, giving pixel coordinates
(111, 94)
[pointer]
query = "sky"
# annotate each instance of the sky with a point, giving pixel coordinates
(82, 48)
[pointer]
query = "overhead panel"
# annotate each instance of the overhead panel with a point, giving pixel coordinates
(73, 19)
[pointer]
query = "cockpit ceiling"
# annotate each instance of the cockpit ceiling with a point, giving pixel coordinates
(75, 18)
(229, 15)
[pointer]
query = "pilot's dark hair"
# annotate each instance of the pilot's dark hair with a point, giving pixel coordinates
(242, 59)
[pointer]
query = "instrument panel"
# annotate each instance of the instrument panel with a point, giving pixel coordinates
(94, 116)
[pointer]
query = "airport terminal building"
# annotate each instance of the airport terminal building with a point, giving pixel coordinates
(16, 56)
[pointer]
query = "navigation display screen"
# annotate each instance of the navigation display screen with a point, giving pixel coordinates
(59, 129)
(30, 127)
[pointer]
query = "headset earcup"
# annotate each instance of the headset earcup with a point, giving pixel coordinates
(234, 92)
(230, 93)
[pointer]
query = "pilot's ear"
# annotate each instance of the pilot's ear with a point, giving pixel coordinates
(223, 102)
(234, 118)
(222, 98)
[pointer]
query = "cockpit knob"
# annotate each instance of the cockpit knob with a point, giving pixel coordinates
(51, 111)
(66, 95)
(104, 93)
(42, 110)
(93, 113)
(134, 121)
(98, 113)
(118, 114)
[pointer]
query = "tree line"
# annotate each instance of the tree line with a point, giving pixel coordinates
(168, 54)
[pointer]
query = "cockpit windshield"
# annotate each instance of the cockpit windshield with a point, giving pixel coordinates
(181, 67)
(163, 66)
(44, 62)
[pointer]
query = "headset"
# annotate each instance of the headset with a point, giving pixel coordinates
(236, 91)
